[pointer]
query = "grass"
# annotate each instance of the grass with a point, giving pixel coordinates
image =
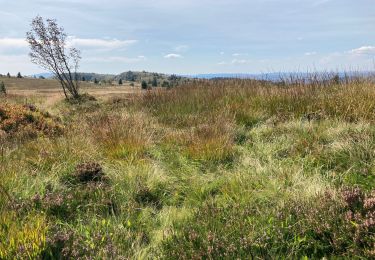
(214, 169)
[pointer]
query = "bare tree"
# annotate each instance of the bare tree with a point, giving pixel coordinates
(49, 50)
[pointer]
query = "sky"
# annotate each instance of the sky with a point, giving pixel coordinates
(199, 36)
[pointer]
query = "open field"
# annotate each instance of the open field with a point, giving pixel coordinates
(47, 92)
(224, 169)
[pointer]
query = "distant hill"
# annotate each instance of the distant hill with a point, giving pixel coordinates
(281, 75)
(92, 76)
(43, 75)
(151, 78)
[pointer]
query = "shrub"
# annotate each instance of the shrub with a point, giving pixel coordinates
(27, 121)
(165, 84)
(144, 85)
(81, 99)
(154, 82)
(360, 217)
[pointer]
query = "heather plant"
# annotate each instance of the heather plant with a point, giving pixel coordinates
(360, 216)
(27, 121)
(89, 172)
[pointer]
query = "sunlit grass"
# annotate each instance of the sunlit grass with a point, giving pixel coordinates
(214, 169)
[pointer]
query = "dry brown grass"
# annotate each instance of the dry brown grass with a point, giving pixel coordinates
(47, 92)
(352, 101)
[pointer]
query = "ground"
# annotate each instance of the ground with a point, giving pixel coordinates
(211, 170)
(46, 92)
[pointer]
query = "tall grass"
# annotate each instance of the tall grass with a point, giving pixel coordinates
(346, 100)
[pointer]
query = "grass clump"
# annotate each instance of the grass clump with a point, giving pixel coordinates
(123, 136)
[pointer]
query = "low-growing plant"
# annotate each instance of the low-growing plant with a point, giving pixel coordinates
(89, 172)
(27, 121)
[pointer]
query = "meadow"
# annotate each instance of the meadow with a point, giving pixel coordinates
(214, 169)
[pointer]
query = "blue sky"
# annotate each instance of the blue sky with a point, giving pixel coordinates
(199, 36)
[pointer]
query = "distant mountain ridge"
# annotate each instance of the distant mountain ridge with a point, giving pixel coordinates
(275, 76)
(46, 75)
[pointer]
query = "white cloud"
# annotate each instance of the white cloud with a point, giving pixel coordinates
(364, 50)
(222, 53)
(239, 54)
(17, 63)
(173, 56)
(12, 43)
(8, 44)
(234, 62)
(237, 61)
(182, 48)
(355, 60)
(99, 43)
(13, 46)
(115, 59)
(311, 53)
